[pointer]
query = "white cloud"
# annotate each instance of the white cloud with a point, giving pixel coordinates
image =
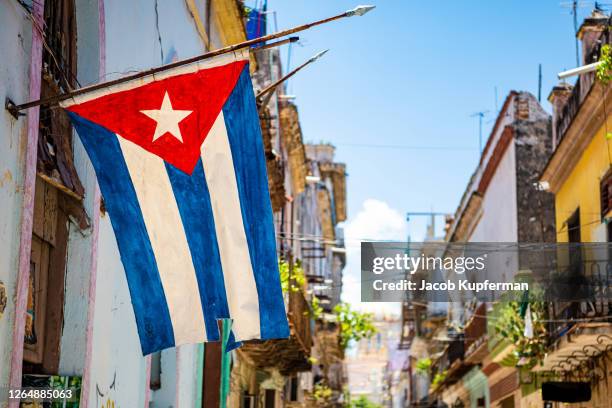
(376, 220)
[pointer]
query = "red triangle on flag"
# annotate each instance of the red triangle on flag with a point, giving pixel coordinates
(170, 117)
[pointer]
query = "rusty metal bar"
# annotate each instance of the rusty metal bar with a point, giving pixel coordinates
(15, 109)
(273, 86)
(276, 44)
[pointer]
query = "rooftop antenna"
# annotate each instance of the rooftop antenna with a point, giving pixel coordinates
(575, 15)
(574, 5)
(495, 92)
(540, 83)
(431, 228)
(480, 115)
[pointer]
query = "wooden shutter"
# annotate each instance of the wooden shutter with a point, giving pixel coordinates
(45, 305)
(55, 155)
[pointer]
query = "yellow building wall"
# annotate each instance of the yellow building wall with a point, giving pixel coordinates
(581, 189)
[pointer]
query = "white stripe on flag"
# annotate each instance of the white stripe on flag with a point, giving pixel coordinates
(169, 242)
(217, 61)
(238, 275)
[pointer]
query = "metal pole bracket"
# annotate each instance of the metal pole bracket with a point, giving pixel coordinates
(11, 107)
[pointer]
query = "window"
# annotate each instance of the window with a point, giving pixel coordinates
(55, 155)
(56, 195)
(605, 193)
(44, 316)
(574, 239)
(573, 227)
(270, 396)
(507, 403)
(293, 388)
(249, 401)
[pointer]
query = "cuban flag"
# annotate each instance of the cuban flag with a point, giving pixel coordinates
(180, 162)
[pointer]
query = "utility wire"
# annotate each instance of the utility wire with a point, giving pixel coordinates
(405, 147)
(41, 31)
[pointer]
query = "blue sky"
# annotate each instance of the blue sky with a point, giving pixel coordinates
(411, 73)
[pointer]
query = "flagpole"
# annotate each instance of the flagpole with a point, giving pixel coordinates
(15, 109)
(270, 88)
(277, 44)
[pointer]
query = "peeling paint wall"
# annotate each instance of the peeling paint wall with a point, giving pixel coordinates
(15, 43)
(160, 32)
(138, 34)
(79, 257)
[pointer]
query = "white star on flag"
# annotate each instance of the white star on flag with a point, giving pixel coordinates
(167, 119)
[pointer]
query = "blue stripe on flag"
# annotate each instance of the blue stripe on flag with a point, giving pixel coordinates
(146, 290)
(193, 199)
(244, 133)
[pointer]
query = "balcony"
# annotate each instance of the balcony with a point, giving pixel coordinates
(579, 289)
(580, 327)
(330, 353)
(408, 326)
(581, 90)
(476, 339)
(287, 355)
(450, 366)
(582, 343)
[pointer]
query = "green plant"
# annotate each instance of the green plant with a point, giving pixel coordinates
(423, 365)
(604, 75)
(438, 378)
(604, 69)
(363, 402)
(298, 278)
(322, 393)
(354, 325)
(316, 308)
(529, 350)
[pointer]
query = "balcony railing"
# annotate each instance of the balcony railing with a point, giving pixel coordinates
(408, 326)
(572, 106)
(300, 320)
(288, 355)
(475, 333)
(581, 89)
(582, 289)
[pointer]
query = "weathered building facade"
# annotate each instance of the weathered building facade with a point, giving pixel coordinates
(65, 308)
(68, 310)
(578, 174)
(308, 195)
(460, 361)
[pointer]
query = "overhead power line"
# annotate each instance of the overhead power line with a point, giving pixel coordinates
(405, 147)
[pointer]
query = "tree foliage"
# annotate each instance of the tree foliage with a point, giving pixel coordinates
(354, 325)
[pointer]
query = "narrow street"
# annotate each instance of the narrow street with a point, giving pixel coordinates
(283, 204)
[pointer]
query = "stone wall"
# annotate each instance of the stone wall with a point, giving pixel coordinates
(533, 147)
